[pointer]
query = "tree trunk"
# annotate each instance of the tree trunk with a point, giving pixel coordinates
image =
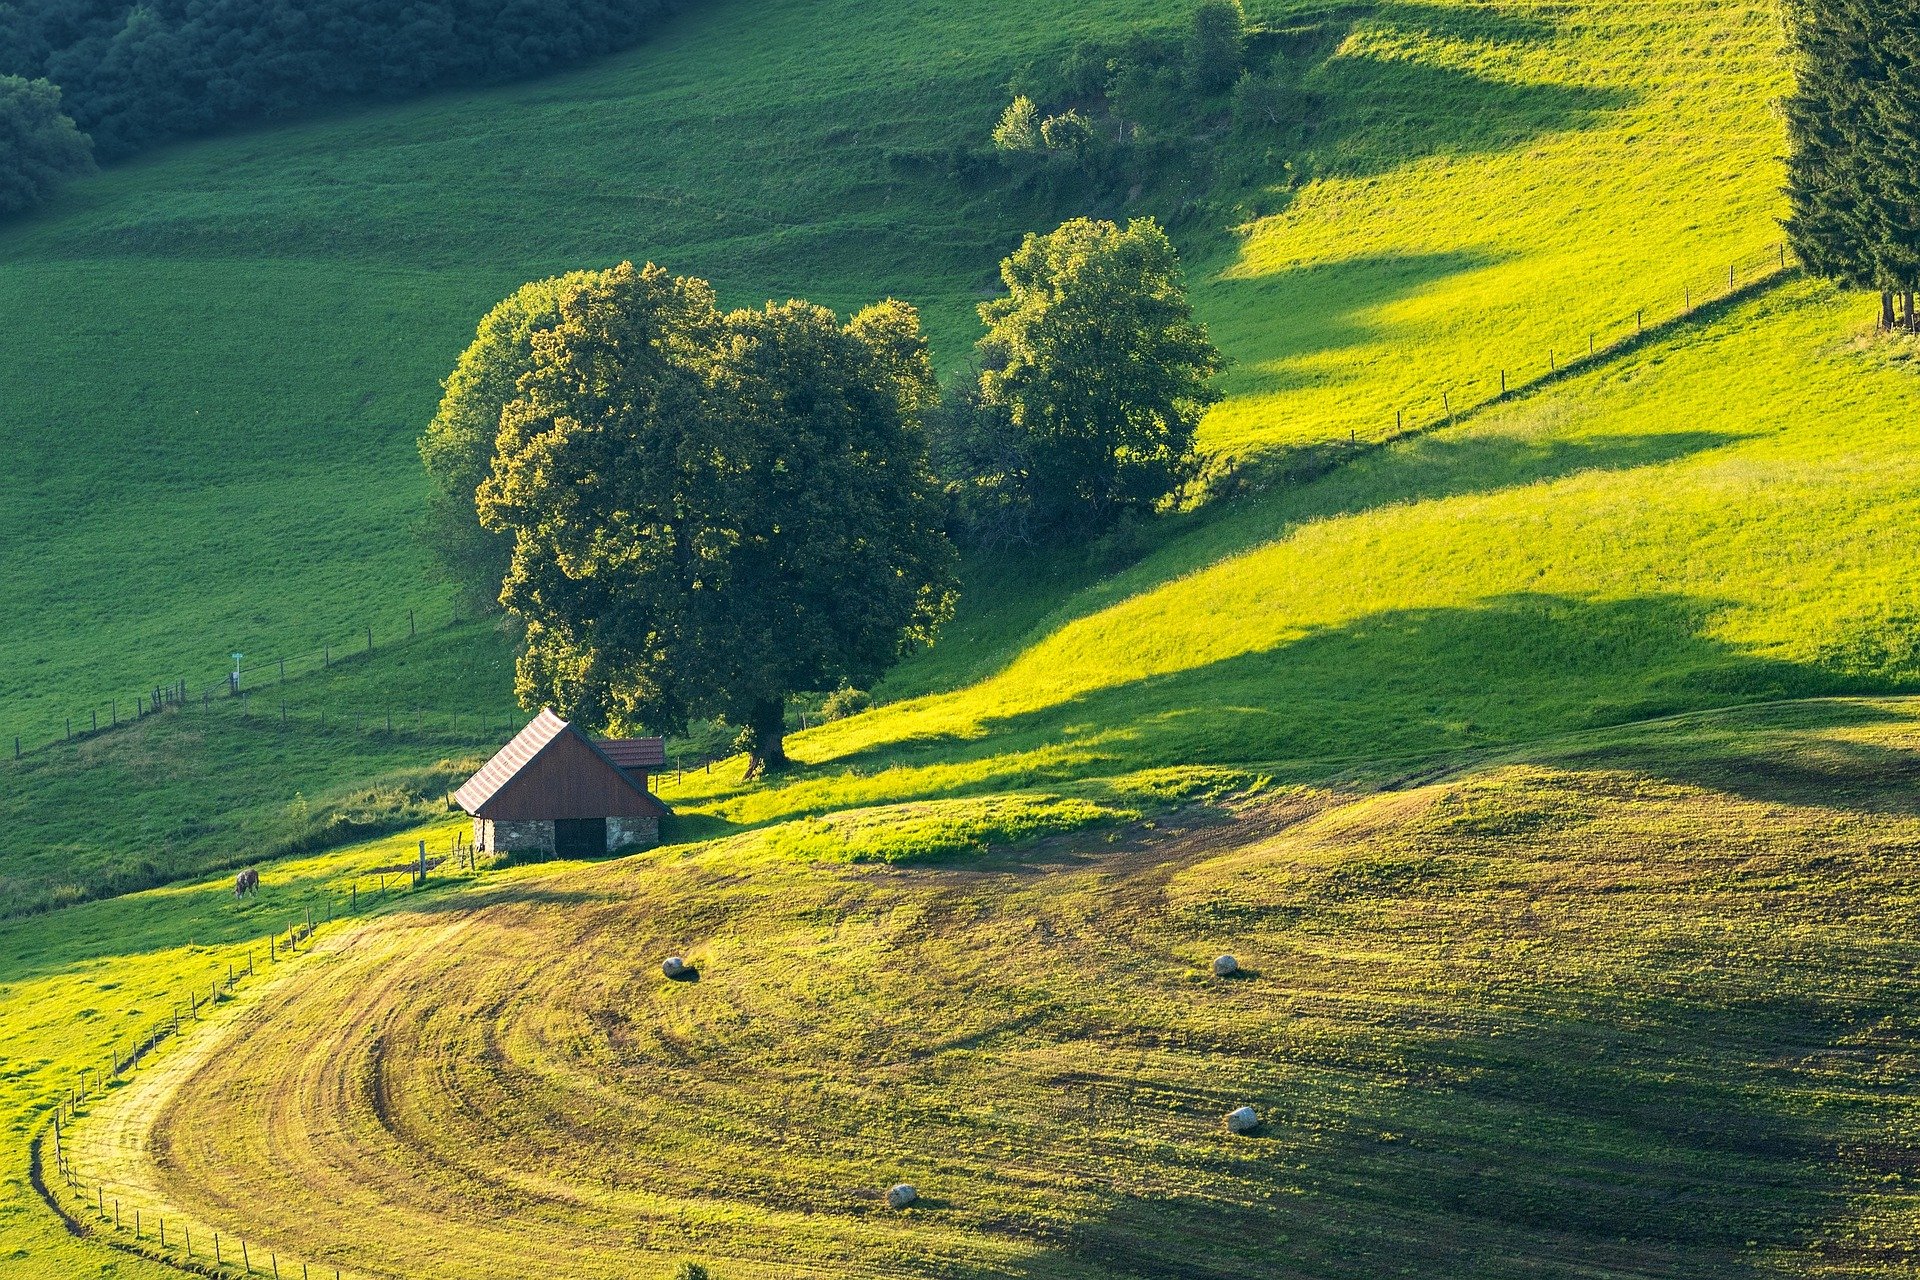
(1886, 311)
(766, 740)
(1907, 298)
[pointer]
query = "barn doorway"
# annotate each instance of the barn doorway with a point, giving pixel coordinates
(580, 837)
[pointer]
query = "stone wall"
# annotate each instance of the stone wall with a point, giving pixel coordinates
(512, 837)
(624, 835)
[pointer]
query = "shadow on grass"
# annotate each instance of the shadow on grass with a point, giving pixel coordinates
(1615, 1135)
(1405, 684)
(1011, 599)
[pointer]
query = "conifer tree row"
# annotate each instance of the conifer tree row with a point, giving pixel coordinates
(1853, 123)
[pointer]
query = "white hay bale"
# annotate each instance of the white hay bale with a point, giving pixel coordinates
(1225, 966)
(1245, 1120)
(673, 967)
(901, 1195)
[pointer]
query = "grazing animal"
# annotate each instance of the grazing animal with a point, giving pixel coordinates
(246, 882)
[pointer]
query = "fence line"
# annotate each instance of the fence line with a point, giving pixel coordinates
(254, 677)
(1441, 404)
(99, 1214)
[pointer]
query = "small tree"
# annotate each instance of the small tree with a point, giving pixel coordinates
(40, 146)
(457, 447)
(1019, 128)
(711, 513)
(1217, 45)
(1853, 175)
(1100, 368)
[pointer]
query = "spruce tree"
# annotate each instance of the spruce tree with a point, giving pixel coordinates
(1853, 176)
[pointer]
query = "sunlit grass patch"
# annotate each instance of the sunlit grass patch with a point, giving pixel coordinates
(923, 831)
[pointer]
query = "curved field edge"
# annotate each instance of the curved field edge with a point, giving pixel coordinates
(1634, 1004)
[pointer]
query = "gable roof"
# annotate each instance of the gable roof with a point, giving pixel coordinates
(552, 770)
(635, 753)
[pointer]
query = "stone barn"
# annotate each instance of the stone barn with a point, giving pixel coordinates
(554, 790)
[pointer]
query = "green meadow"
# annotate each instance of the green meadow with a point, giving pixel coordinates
(1544, 756)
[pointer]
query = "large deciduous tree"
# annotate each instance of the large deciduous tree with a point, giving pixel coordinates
(1853, 124)
(40, 147)
(1096, 364)
(711, 512)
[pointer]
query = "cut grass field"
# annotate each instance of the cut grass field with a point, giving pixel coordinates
(1637, 1003)
(81, 982)
(1557, 969)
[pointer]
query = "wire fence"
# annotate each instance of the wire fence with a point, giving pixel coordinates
(1688, 295)
(245, 690)
(1443, 402)
(133, 1219)
(246, 687)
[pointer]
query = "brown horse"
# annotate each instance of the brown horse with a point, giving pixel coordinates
(246, 882)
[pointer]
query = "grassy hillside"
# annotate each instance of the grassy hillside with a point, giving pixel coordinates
(1557, 971)
(219, 355)
(84, 982)
(1717, 518)
(1472, 1060)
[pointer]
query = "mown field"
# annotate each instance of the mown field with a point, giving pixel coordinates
(1635, 1004)
(1557, 969)
(82, 983)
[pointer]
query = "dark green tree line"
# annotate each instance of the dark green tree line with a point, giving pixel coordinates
(1853, 124)
(39, 146)
(137, 74)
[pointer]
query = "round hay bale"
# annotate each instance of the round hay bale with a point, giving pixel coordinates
(674, 967)
(1225, 966)
(1245, 1120)
(901, 1195)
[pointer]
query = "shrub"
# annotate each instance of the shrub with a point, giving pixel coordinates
(1018, 130)
(40, 146)
(1217, 45)
(845, 701)
(1264, 102)
(1068, 131)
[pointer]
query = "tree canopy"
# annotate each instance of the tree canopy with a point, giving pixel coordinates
(711, 512)
(139, 74)
(1853, 124)
(1095, 376)
(40, 148)
(458, 445)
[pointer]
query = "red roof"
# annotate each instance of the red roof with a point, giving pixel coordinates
(635, 753)
(552, 770)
